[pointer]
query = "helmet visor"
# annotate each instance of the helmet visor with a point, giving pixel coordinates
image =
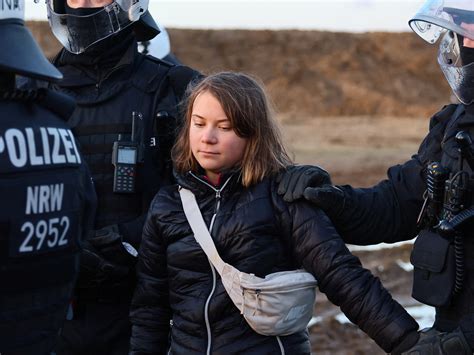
(77, 33)
(437, 16)
(460, 77)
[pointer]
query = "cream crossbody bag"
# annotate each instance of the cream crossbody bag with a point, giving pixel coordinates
(280, 304)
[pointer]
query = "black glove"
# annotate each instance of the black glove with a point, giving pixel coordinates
(109, 244)
(407, 342)
(329, 198)
(433, 342)
(297, 178)
(105, 259)
(96, 270)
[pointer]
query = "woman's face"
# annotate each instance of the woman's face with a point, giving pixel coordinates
(213, 141)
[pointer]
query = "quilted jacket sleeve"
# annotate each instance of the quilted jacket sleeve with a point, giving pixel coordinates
(359, 294)
(150, 311)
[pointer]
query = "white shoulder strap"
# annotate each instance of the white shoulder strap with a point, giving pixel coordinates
(199, 228)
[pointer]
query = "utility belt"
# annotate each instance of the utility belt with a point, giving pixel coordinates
(438, 253)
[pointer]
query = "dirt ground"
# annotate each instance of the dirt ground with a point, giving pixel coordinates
(356, 151)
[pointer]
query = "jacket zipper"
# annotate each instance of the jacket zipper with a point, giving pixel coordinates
(214, 277)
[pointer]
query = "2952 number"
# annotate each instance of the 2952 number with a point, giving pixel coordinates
(44, 234)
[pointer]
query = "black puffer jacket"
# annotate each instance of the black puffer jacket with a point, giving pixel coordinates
(255, 231)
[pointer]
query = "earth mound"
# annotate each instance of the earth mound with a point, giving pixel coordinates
(314, 73)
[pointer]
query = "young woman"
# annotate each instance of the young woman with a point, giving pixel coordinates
(228, 154)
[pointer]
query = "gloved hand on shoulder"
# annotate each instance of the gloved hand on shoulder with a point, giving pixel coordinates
(330, 198)
(294, 181)
(314, 184)
(433, 342)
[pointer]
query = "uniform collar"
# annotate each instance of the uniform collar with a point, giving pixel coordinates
(78, 71)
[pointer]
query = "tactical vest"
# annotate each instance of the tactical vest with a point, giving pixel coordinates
(45, 192)
(436, 281)
(152, 90)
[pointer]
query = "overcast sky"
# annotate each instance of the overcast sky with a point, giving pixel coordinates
(334, 15)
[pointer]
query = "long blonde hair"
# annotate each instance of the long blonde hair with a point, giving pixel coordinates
(247, 107)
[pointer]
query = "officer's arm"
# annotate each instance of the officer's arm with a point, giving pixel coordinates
(387, 212)
(131, 231)
(150, 312)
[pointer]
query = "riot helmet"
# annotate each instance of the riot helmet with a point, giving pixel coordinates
(451, 22)
(20, 53)
(158, 47)
(80, 29)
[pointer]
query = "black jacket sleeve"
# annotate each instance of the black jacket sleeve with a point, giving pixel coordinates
(388, 212)
(150, 312)
(340, 275)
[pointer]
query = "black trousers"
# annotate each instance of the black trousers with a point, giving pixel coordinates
(96, 328)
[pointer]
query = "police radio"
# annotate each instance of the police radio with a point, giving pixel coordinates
(124, 158)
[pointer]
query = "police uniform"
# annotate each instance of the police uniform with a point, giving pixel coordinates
(48, 199)
(150, 89)
(122, 96)
(47, 207)
(393, 209)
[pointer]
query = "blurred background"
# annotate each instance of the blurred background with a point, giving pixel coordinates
(354, 90)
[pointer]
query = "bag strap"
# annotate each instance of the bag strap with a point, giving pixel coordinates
(199, 228)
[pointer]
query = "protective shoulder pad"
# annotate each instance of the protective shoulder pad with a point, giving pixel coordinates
(180, 77)
(150, 73)
(444, 115)
(56, 102)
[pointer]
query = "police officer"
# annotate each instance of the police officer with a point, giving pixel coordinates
(125, 120)
(47, 196)
(431, 195)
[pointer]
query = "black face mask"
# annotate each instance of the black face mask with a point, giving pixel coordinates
(76, 25)
(466, 88)
(106, 51)
(467, 54)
